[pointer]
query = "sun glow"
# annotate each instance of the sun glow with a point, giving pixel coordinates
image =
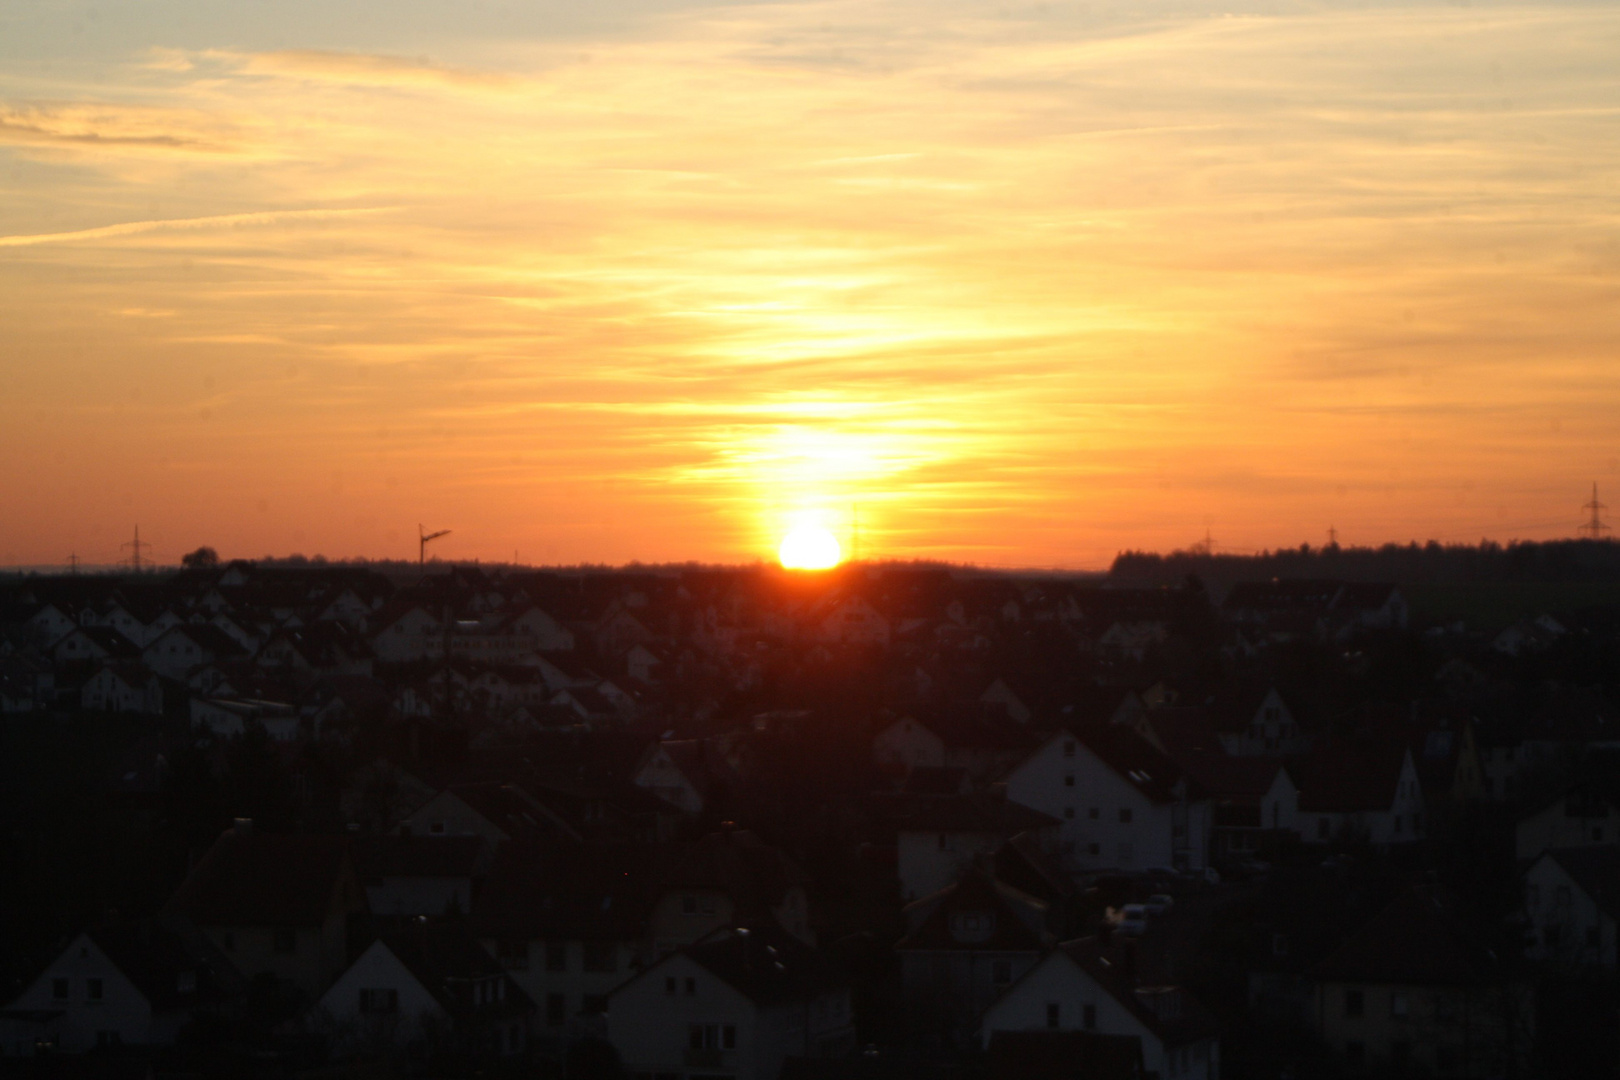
(810, 547)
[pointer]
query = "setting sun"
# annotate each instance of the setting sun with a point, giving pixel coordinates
(810, 547)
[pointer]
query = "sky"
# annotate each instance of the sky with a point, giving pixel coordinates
(1017, 285)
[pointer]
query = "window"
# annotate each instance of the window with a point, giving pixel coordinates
(436, 828)
(1399, 1007)
(669, 986)
(711, 1036)
(556, 956)
(379, 1001)
(1068, 780)
(1597, 834)
(1355, 1003)
(689, 902)
(1094, 813)
(1068, 813)
(1093, 848)
(1088, 1017)
(556, 1010)
(1124, 815)
(1563, 896)
(601, 956)
(1068, 748)
(593, 1004)
(94, 989)
(1001, 972)
(284, 940)
(59, 989)
(691, 986)
(1052, 1014)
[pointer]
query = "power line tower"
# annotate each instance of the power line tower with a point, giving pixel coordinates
(422, 538)
(73, 564)
(1594, 527)
(135, 546)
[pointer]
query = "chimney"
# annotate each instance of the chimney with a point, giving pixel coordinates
(243, 826)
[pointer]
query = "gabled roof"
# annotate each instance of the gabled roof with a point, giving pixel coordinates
(1171, 1013)
(448, 962)
(207, 637)
(979, 812)
(976, 892)
(1596, 870)
(766, 964)
(1346, 777)
(158, 956)
(261, 879)
(1416, 941)
(578, 892)
(110, 641)
(1137, 761)
(377, 857)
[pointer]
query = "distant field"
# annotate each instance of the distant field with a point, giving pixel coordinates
(1493, 605)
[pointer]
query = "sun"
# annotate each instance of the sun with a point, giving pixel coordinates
(810, 547)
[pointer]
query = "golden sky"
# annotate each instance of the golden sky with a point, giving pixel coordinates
(1027, 284)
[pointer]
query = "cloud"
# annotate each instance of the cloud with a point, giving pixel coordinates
(87, 125)
(369, 69)
(217, 221)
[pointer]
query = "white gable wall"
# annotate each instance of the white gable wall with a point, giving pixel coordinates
(377, 969)
(122, 1009)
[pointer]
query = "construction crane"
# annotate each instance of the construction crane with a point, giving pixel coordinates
(422, 538)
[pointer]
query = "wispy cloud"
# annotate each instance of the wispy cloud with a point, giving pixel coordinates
(217, 221)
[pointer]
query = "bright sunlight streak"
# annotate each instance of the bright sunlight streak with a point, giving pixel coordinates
(810, 547)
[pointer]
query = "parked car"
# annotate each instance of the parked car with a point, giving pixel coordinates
(1160, 903)
(1133, 920)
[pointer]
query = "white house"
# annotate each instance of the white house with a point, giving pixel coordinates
(425, 987)
(737, 1004)
(230, 717)
(1080, 986)
(1572, 901)
(123, 687)
(177, 650)
(410, 633)
(677, 771)
(1264, 727)
(938, 837)
(131, 985)
(547, 634)
(419, 875)
(1123, 804)
(907, 744)
(1370, 791)
(1580, 817)
(851, 621)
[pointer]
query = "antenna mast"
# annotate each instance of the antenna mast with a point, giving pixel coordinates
(1594, 527)
(135, 546)
(422, 538)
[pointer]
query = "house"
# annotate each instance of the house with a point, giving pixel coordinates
(1582, 816)
(1359, 788)
(568, 922)
(938, 836)
(544, 633)
(1414, 991)
(1258, 723)
(405, 632)
(177, 650)
(125, 984)
(419, 875)
(907, 744)
(964, 946)
(230, 717)
(727, 878)
(738, 1003)
(493, 811)
(1254, 804)
(1368, 605)
(1083, 986)
(849, 620)
(123, 687)
(1000, 697)
(84, 646)
(275, 905)
(1572, 902)
(1123, 804)
(430, 989)
(682, 772)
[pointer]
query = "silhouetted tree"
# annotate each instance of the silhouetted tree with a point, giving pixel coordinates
(204, 558)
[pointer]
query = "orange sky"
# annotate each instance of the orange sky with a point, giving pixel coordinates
(1027, 285)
